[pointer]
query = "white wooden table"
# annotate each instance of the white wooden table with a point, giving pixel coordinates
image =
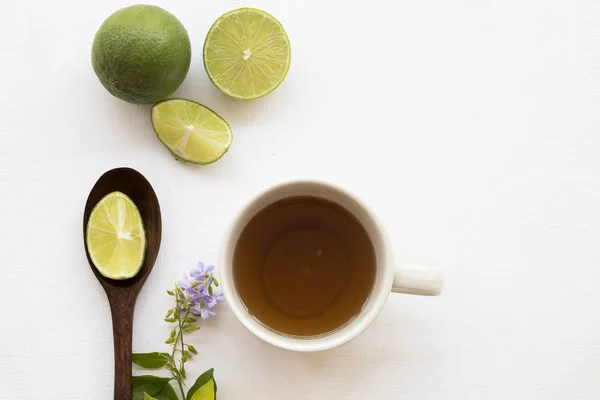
(471, 126)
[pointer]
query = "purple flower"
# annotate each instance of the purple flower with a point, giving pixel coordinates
(200, 284)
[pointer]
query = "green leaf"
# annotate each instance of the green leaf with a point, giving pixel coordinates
(167, 393)
(190, 320)
(169, 313)
(150, 360)
(170, 340)
(205, 387)
(216, 282)
(170, 293)
(174, 332)
(210, 290)
(190, 328)
(149, 384)
(148, 397)
(187, 355)
(170, 320)
(192, 349)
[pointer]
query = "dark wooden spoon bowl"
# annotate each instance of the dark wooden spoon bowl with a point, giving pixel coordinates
(123, 293)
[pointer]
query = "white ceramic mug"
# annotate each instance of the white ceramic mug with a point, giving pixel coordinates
(389, 278)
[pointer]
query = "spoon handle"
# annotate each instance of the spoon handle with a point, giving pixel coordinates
(122, 319)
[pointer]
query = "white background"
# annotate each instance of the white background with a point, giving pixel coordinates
(471, 126)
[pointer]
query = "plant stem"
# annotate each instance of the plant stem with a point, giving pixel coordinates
(187, 313)
(179, 319)
(177, 338)
(180, 388)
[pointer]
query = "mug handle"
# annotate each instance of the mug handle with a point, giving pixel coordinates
(423, 281)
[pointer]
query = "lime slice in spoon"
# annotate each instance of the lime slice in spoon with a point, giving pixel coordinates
(115, 237)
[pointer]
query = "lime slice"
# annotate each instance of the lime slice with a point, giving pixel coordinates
(191, 131)
(247, 53)
(115, 237)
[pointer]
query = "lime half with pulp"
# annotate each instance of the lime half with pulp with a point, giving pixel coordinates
(191, 131)
(115, 237)
(247, 53)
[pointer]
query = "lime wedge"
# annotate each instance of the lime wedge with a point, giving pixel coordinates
(115, 238)
(191, 131)
(247, 53)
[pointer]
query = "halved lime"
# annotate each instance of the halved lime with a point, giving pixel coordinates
(116, 240)
(247, 53)
(191, 131)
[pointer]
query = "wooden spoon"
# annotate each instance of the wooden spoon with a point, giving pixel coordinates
(123, 293)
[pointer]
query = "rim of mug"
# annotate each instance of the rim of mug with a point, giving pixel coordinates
(345, 333)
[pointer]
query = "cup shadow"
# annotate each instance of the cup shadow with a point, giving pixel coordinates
(378, 349)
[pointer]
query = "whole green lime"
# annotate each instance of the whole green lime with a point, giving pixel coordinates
(141, 54)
